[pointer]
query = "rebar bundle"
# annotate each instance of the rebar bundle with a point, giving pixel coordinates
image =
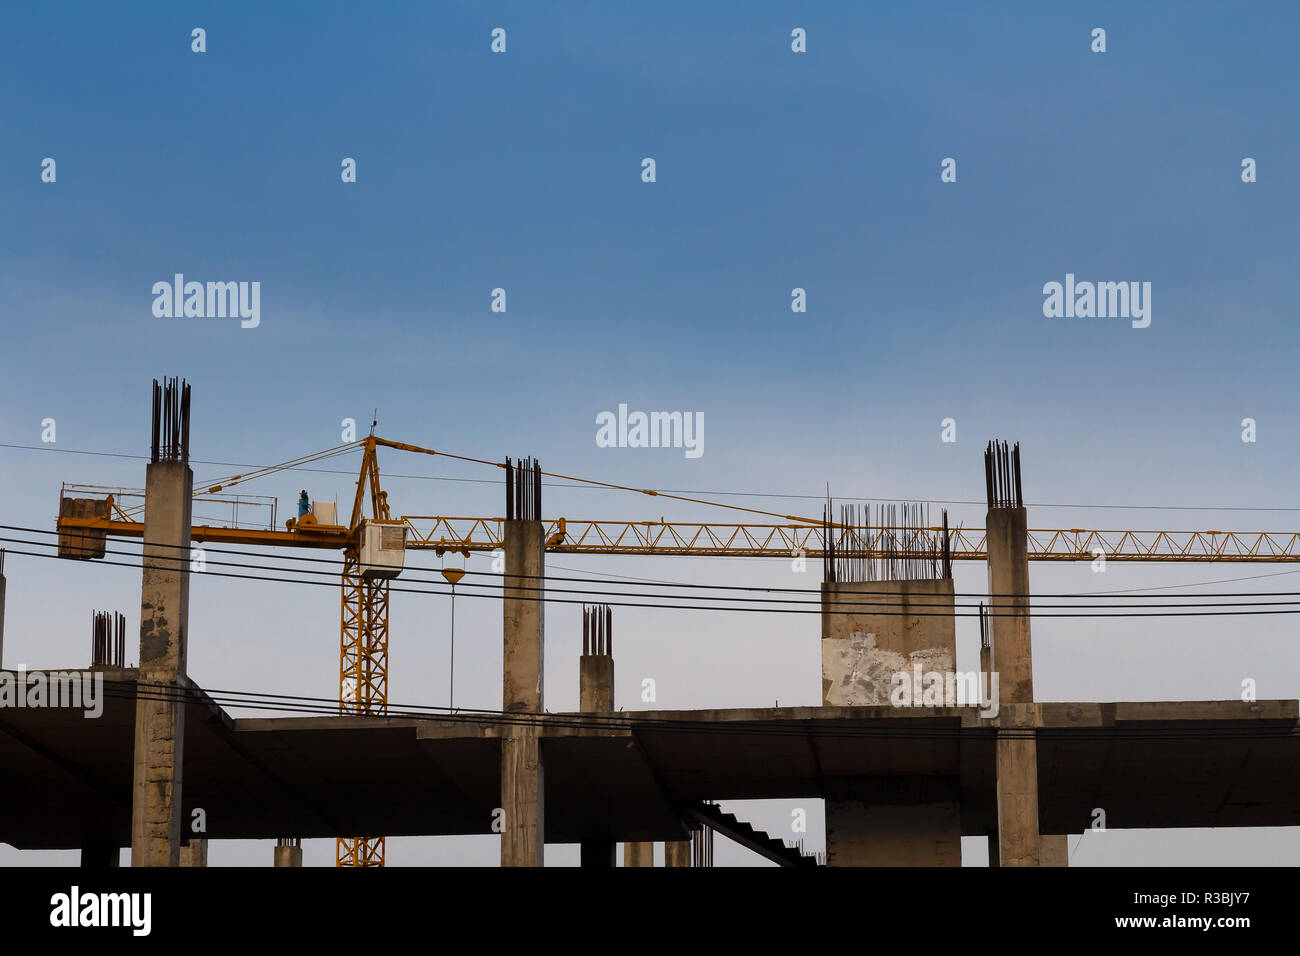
(108, 641)
(171, 421)
(900, 545)
(1002, 475)
(523, 490)
(597, 630)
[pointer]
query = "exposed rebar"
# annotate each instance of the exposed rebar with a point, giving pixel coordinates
(108, 639)
(523, 490)
(899, 545)
(170, 434)
(597, 630)
(1002, 475)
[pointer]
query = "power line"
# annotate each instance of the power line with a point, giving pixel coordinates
(685, 491)
(912, 601)
(499, 583)
(591, 597)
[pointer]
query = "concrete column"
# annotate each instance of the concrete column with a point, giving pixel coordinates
(164, 625)
(523, 789)
(638, 854)
(288, 856)
(596, 683)
(523, 836)
(524, 627)
(1016, 757)
(677, 853)
(596, 696)
(1053, 849)
(1008, 557)
(194, 853)
(1017, 787)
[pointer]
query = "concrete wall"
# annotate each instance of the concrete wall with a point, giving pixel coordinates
(863, 647)
(888, 821)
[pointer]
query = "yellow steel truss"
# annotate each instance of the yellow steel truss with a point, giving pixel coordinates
(710, 538)
(705, 539)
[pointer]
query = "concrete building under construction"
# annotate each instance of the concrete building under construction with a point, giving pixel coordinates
(901, 784)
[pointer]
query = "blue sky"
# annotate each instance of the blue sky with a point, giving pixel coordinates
(775, 170)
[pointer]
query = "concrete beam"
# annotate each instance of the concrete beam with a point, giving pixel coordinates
(164, 626)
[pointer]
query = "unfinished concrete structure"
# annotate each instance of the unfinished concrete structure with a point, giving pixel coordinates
(883, 633)
(901, 784)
